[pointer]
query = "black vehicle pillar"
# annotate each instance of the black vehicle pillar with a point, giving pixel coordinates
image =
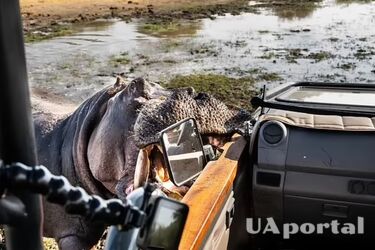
(17, 140)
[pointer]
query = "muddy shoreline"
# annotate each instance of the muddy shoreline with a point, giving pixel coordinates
(43, 20)
(47, 20)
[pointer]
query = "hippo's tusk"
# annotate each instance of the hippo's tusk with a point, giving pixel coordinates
(142, 168)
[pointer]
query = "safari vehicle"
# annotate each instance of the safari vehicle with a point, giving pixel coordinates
(306, 158)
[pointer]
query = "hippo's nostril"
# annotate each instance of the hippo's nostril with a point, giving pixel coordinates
(201, 96)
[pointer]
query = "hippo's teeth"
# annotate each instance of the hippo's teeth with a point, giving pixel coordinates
(129, 189)
(215, 142)
(168, 185)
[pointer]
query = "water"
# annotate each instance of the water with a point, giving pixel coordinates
(332, 41)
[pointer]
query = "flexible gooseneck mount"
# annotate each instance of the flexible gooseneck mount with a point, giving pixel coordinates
(57, 189)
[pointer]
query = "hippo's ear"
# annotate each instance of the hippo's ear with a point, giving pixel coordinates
(119, 82)
(137, 88)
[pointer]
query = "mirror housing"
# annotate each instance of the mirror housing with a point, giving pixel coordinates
(183, 151)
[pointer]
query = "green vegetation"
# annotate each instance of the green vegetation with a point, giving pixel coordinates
(234, 7)
(258, 74)
(353, 1)
(122, 59)
(236, 44)
(346, 66)
(269, 77)
(169, 28)
(362, 54)
(291, 9)
(206, 49)
(333, 39)
(170, 44)
(161, 27)
(268, 55)
(54, 31)
(319, 56)
(235, 92)
(293, 54)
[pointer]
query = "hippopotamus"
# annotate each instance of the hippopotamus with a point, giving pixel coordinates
(96, 147)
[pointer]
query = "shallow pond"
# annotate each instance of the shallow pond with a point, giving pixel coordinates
(330, 41)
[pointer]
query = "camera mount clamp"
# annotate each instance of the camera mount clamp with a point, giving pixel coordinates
(76, 200)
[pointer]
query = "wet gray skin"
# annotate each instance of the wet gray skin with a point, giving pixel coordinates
(331, 41)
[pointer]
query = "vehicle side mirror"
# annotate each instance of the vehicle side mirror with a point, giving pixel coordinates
(183, 151)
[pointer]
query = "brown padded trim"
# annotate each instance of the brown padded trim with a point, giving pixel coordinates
(329, 122)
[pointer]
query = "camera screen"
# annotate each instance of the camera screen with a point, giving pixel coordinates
(167, 227)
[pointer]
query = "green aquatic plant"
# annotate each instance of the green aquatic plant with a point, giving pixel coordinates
(53, 31)
(235, 92)
(121, 59)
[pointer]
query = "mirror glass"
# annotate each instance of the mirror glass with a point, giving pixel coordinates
(182, 146)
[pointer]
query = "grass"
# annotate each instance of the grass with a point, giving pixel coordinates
(320, 56)
(333, 39)
(362, 54)
(169, 45)
(56, 31)
(236, 44)
(118, 60)
(234, 7)
(346, 66)
(263, 31)
(353, 1)
(268, 56)
(161, 27)
(269, 77)
(169, 28)
(235, 92)
(292, 9)
(207, 50)
(293, 54)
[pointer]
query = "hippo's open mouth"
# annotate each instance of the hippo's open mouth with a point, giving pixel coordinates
(131, 120)
(151, 166)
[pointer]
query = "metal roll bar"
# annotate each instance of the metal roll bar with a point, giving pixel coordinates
(17, 142)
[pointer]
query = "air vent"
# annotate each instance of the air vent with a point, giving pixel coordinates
(274, 132)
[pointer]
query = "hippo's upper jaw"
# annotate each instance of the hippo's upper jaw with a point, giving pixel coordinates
(212, 116)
